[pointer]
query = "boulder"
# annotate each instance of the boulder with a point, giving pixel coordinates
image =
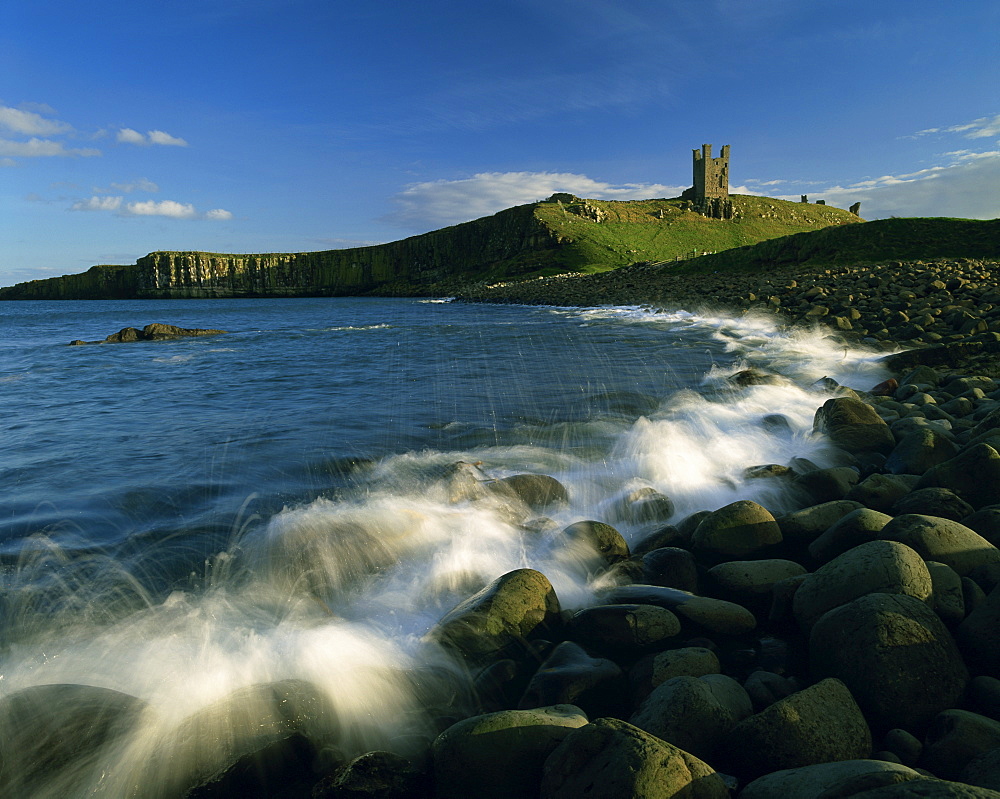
(885, 567)
(569, 676)
(949, 598)
(47, 730)
(973, 474)
(854, 426)
(811, 782)
(500, 755)
(857, 527)
(497, 620)
(642, 506)
(671, 567)
(881, 491)
(693, 713)
(920, 450)
(979, 635)
(986, 522)
(611, 759)
(618, 628)
(599, 539)
(983, 771)
(802, 526)
(749, 580)
(736, 531)
(538, 491)
(941, 502)
(374, 775)
(819, 724)
(955, 739)
(704, 614)
(942, 540)
(924, 789)
(689, 661)
(828, 485)
(765, 688)
(896, 657)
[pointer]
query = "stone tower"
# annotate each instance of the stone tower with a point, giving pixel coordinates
(710, 193)
(711, 175)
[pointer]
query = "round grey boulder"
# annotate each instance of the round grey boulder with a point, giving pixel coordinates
(611, 759)
(614, 628)
(736, 531)
(895, 655)
(854, 426)
(973, 474)
(811, 782)
(857, 527)
(943, 540)
(499, 755)
(819, 724)
(886, 567)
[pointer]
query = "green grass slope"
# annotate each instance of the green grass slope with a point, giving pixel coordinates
(904, 239)
(662, 230)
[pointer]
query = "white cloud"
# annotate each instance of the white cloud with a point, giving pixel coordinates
(7, 162)
(29, 123)
(159, 137)
(982, 128)
(167, 208)
(447, 202)
(97, 204)
(142, 184)
(40, 148)
(964, 188)
(130, 136)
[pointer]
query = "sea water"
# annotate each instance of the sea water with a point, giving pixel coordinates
(185, 521)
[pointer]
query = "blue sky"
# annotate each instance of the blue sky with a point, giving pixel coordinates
(292, 125)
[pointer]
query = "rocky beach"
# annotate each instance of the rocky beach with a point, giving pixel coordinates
(845, 648)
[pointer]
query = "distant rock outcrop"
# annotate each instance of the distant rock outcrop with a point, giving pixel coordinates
(156, 331)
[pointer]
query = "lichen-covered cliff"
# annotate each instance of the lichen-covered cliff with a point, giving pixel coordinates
(560, 235)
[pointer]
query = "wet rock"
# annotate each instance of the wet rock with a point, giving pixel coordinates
(973, 474)
(538, 491)
(671, 567)
(616, 627)
(881, 491)
(611, 759)
(885, 567)
(984, 696)
(736, 530)
(819, 724)
(986, 522)
(599, 538)
(920, 450)
(828, 485)
(822, 779)
(983, 771)
(942, 540)
(158, 332)
(765, 688)
(804, 525)
(494, 622)
(693, 713)
(896, 657)
(703, 613)
(48, 729)
(748, 581)
(955, 738)
(374, 775)
(933, 502)
(500, 754)
(643, 506)
(949, 599)
(857, 527)
(688, 661)
(979, 634)
(569, 676)
(905, 746)
(853, 425)
(247, 743)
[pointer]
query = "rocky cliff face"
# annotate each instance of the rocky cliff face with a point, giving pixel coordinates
(468, 248)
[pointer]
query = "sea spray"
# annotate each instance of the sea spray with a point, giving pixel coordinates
(308, 620)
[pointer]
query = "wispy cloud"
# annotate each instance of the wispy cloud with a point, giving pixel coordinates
(130, 136)
(165, 208)
(30, 123)
(447, 202)
(142, 184)
(41, 148)
(982, 128)
(964, 187)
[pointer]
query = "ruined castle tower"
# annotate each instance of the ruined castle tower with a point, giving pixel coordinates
(710, 193)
